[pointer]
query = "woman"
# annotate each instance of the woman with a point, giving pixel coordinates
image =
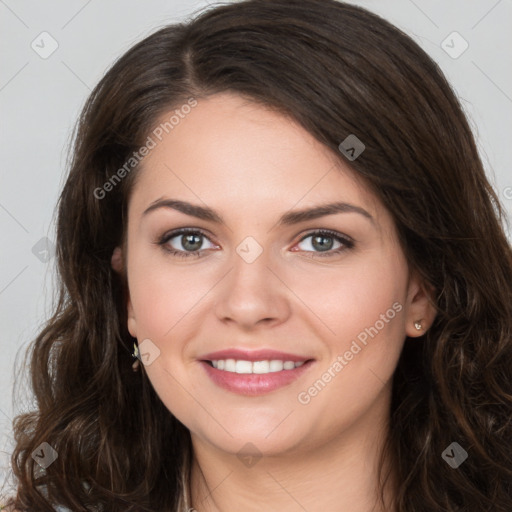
(282, 205)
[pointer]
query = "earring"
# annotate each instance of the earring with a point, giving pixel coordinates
(136, 364)
(418, 326)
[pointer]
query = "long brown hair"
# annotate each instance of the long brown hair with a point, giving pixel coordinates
(337, 69)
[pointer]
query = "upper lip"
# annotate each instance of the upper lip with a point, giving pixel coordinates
(253, 355)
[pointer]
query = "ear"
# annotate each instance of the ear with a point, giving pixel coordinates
(420, 308)
(117, 263)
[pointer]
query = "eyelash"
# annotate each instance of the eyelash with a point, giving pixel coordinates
(347, 242)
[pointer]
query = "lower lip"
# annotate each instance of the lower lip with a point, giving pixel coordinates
(252, 384)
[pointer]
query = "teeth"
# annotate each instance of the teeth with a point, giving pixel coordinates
(243, 367)
(276, 366)
(260, 367)
(230, 365)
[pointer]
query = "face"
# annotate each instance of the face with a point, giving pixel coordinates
(327, 297)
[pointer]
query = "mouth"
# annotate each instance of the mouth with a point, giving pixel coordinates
(263, 367)
(254, 378)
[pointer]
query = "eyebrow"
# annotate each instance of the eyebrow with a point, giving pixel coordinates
(287, 219)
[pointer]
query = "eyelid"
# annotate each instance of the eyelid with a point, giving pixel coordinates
(328, 232)
(180, 231)
(347, 243)
(168, 235)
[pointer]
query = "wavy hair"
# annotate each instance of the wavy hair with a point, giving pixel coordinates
(336, 69)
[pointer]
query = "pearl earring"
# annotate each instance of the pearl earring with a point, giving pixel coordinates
(418, 326)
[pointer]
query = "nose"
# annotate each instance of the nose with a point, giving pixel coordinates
(252, 293)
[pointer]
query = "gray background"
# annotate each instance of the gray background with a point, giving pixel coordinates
(40, 99)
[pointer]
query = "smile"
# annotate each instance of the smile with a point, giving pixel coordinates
(254, 378)
(259, 367)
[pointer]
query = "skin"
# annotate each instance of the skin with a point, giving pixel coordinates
(252, 165)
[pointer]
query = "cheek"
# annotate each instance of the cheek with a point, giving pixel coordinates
(361, 309)
(357, 296)
(162, 294)
(163, 302)
(364, 308)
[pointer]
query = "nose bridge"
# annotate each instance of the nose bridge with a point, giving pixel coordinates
(251, 291)
(250, 264)
(250, 250)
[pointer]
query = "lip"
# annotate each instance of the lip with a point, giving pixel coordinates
(252, 384)
(253, 355)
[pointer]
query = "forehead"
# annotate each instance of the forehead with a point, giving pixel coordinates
(235, 154)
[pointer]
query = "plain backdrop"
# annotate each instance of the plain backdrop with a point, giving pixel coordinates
(54, 52)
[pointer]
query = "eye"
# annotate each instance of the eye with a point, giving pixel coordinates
(189, 242)
(322, 240)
